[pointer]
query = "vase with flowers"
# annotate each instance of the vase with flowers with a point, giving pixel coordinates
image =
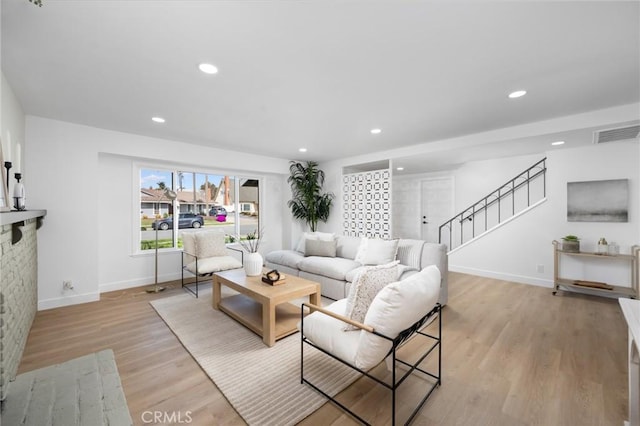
(252, 259)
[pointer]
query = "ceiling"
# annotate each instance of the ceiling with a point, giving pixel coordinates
(322, 74)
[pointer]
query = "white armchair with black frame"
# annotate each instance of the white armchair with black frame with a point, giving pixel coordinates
(399, 312)
(205, 253)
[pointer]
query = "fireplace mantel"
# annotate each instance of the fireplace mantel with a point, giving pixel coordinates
(14, 216)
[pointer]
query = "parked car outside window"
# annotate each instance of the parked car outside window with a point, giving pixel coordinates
(218, 211)
(185, 220)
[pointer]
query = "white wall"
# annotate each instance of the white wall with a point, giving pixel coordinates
(514, 251)
(84, 177)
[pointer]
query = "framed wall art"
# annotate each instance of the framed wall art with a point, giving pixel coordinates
(598, 201)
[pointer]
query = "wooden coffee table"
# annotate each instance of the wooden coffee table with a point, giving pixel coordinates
(263, 308)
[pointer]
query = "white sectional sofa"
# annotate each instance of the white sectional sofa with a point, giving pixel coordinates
(335, 270)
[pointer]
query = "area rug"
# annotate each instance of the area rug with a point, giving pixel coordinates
(261, 383)
(82, 391)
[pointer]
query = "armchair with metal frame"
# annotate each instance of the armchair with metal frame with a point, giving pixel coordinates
(205, 253)
(319, 336)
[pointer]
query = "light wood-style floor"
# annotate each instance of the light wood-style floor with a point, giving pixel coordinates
(512, 355)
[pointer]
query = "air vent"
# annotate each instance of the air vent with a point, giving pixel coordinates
(614, 135)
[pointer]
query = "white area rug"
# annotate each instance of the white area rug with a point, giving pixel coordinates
(262, 383)
(84, 391)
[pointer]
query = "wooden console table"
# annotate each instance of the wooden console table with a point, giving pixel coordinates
(632, 259)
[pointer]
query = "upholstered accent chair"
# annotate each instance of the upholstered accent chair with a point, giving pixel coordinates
(400, 311)
(205, 253)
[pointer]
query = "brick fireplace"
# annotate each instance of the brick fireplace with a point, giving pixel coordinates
(18, 288)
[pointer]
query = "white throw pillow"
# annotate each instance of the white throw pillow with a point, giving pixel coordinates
(364, 289)
(322, 236)
(320, 248)
(396, 307)
(376, 251)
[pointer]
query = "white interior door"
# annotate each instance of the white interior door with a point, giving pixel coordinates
(436, 205)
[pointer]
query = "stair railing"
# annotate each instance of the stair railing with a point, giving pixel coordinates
(455, 231)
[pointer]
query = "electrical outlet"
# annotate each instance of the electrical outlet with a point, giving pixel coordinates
(540, 269)
(67, 285)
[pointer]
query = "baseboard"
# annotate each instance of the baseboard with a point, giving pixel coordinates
(59, 302)
(540, 282)
(139, 282)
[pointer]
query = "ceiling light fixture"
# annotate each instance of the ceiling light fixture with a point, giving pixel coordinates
(158, 119)
(400, 169)
(208, 68)
(376, 131)
(517, 94)
(303, 150)
(557, 143)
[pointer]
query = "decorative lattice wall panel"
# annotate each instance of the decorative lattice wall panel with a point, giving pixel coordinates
(366, 204)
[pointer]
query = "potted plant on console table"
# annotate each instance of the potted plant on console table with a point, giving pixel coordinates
(571, 244)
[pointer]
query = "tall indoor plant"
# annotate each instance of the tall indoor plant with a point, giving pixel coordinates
(308, 203)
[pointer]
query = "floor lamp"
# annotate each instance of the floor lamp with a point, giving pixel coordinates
(170, 195)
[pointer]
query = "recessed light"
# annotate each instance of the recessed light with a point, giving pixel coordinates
(517, 94)
(303, 150)
(208, 68)
(557, 143)
(158, 119)
(376, 131)
(400, 168)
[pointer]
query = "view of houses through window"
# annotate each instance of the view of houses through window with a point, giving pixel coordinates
(202, 200)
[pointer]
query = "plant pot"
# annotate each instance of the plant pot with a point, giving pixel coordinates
(252, 264)
(571, 246)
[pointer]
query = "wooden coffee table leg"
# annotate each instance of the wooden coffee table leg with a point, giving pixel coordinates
(217, 293)
(269, 324)
(314, 298)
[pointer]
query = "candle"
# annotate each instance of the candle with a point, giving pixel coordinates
(8, 157)
(17, 166)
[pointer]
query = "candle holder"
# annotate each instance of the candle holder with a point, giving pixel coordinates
(18, 193)
(7, 165)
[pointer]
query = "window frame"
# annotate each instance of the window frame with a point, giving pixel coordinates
(237, 177)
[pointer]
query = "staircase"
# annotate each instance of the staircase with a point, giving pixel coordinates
(505, 203)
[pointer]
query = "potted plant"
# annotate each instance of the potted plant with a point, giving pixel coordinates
(308, 203)
(571, 243)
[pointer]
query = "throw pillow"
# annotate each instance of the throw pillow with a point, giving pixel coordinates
(320, 248)
(376, 251)
(396, 307)
(322, 236)
(364, 289)
(210, 244)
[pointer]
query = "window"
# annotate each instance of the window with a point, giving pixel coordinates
(203, 200)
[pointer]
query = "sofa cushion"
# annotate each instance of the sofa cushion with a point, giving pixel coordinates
(410, 253)
(288, 258)
(403, 272)
(332, 267)
(325, 331)
(322, 236)
(396, 307)
(347, 247)
(320, 248)
(376, 251)
(365, 287)
(214, 264)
